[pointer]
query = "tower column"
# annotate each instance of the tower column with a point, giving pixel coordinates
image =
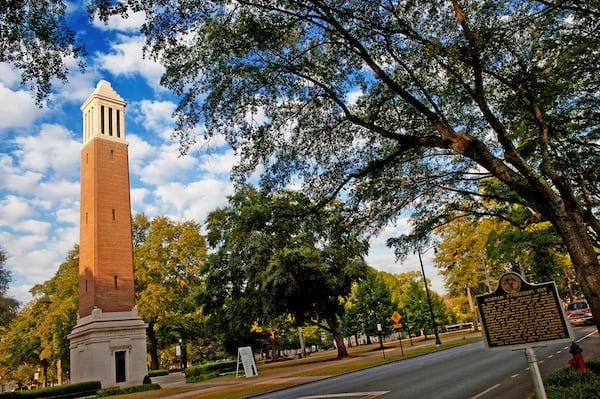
(108, 344)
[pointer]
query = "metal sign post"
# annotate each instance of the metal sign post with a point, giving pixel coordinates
(519, 315)
(538, 383)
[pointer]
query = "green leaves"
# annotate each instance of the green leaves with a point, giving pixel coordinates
(275, 255)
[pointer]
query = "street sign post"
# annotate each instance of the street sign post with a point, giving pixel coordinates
(396, 318)
(519, 315)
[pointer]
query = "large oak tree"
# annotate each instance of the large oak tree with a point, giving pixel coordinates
(399, 104)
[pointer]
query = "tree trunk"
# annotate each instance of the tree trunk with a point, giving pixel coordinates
(579, 244)
(153, 347)
(337, 337)
(274, 352)
(472, 308)
(356, 339)
(184, 356)
(369, 342)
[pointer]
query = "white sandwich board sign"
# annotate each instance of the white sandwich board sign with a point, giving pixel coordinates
(246, 357)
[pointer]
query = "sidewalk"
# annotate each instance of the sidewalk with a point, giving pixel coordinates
(318, 366)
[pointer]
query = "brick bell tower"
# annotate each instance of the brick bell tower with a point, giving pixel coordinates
(108, 344)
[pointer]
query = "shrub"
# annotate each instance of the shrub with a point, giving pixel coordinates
(571, 377)
(205, 371)
(593, 366)
(157, 373)
(146, 380)
(126, 390)
(201, 377)
(68, 391)
(574, 392)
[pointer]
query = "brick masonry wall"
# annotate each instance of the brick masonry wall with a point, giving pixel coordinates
(105, 243)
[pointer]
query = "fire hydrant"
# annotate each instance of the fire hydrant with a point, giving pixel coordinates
(577, 360)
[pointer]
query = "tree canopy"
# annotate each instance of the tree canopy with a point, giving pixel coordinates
(169, 257)
(268, 261)
(38, 335)
(8, 306)
(36, 39)
(399, 105)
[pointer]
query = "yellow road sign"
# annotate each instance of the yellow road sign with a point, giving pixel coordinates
(397, 326)
(396, 317)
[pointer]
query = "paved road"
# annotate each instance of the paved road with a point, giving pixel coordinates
(470, 371)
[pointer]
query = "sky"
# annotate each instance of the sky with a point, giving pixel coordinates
(39, 157)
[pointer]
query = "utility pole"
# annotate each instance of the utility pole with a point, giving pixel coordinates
(435, 330)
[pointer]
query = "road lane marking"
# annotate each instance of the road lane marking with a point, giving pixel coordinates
(346, 395)
(514, 375)
(527, 368)
(541, 361)
(480, 394)
(582, 338)
(558, 351)
(550, 356)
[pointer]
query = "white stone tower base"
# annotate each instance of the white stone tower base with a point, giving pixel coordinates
(107, 347)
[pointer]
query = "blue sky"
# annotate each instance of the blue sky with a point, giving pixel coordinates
(39, 157)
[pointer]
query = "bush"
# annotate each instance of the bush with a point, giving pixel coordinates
(68, 391)
(147, 380)
(157, 373)
(201, 377)
(570, 377)
(593, 366)
(126, 390)
(207, 369)
(574, 392)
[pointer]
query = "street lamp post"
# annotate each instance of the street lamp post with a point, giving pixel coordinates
(435, 330)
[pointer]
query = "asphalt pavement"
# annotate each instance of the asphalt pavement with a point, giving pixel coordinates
(467, 372)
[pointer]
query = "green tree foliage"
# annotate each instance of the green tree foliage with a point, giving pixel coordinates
(168, 260)
(8, 306)
(370, 304)
(416, 309)
(38, 335)
(35, 38)
(268, 261)
(399, 104)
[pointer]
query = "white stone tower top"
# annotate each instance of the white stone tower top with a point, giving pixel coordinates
(104, 114)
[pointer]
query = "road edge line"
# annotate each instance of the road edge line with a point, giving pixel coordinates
(480, 394)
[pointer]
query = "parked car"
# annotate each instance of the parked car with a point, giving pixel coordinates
(579, 313)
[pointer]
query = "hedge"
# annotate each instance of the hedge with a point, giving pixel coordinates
(158, 373)
(201, 377)
(569, 383)
(68, 391)
(126, 390)
(205, 371)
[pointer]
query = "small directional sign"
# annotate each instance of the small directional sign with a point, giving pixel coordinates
(396, 317)
(397, 326)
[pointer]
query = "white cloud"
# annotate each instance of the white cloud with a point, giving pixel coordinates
(156, 116)
(115, 22)
(168, 166)
(138, 195)
(194, 200)
(9, 76)
(34, 226)
(219, 163)
(126, 59)
(18, 108)
(20, 293)
(353, 96)
(52, 150)
(13, 209)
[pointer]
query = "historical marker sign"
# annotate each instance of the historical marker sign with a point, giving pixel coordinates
(519, 315)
